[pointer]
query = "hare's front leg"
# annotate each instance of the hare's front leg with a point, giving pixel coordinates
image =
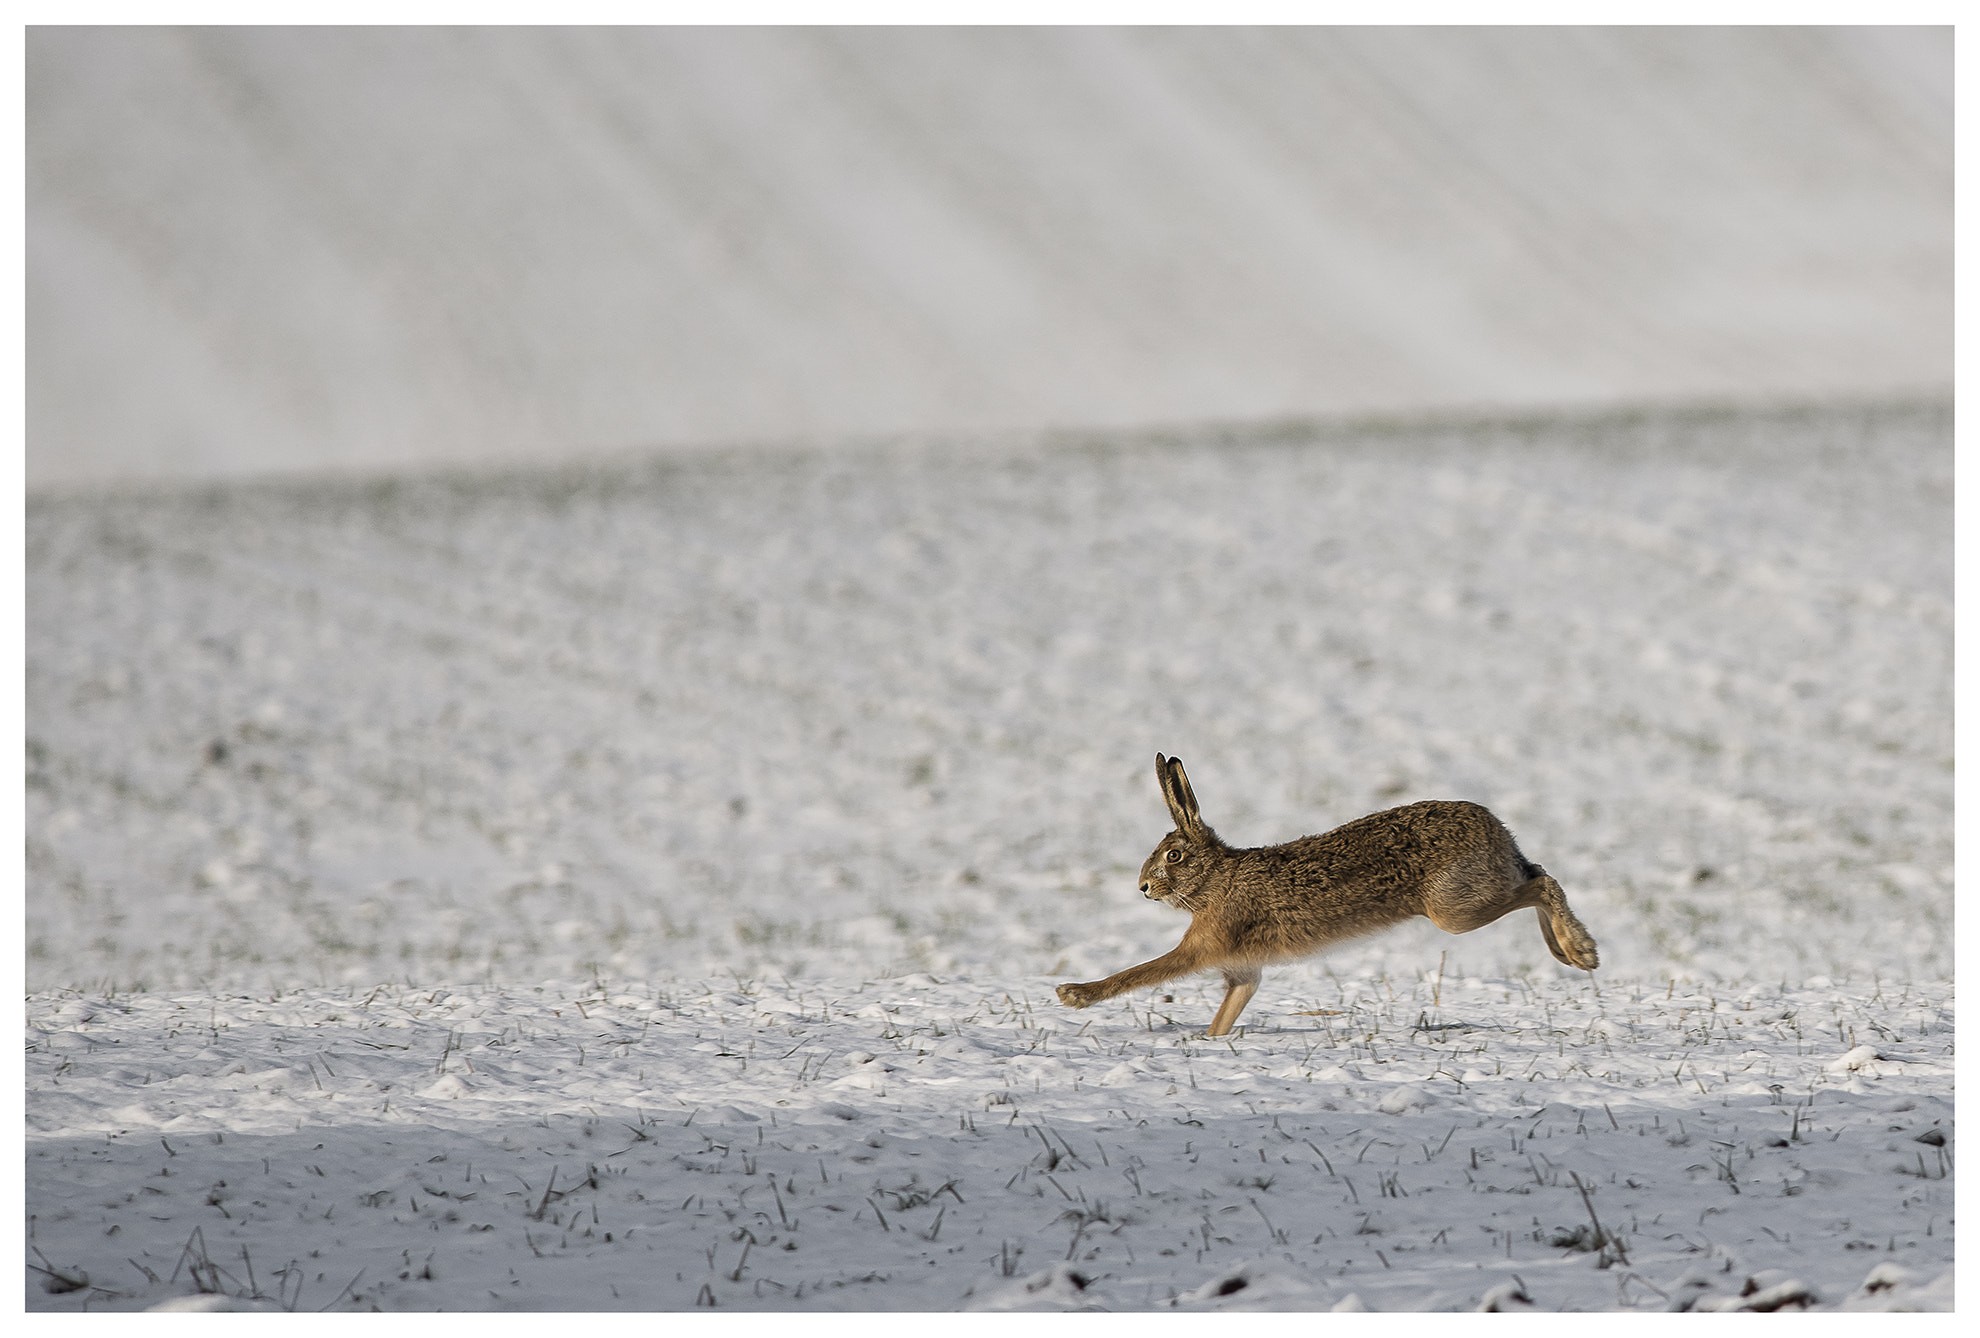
(1240, 983)
(1184, 958)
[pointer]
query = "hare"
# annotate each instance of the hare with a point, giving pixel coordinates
(1445, 859)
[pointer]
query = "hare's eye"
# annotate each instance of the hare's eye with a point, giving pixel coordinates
(1175, 856)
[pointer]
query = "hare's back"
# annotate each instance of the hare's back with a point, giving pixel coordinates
(1409, 842)
(1426, 819)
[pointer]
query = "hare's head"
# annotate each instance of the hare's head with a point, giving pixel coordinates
(1180, 868)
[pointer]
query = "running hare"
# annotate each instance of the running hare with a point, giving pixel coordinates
(1448, 860)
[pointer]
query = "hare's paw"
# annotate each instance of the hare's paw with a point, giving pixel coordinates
(1573, 944)
(1078, 996)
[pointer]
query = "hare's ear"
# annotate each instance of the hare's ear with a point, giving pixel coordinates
(1181, 799)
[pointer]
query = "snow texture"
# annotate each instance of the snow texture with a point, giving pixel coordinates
(926, 1144)
(711, 834)
(899, 712)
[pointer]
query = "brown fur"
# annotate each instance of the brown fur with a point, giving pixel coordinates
(1445, 859)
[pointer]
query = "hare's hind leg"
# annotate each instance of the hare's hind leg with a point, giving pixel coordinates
(1240, 983)
(1464, 905)
(1567, 938)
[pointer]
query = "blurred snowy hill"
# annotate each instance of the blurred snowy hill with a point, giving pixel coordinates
(295, 249)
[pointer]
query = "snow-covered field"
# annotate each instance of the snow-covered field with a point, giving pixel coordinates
(802, 781)
(920, 1143)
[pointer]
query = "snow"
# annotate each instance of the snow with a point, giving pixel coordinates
(899, 711)
(921, 1143)
(710, 835)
